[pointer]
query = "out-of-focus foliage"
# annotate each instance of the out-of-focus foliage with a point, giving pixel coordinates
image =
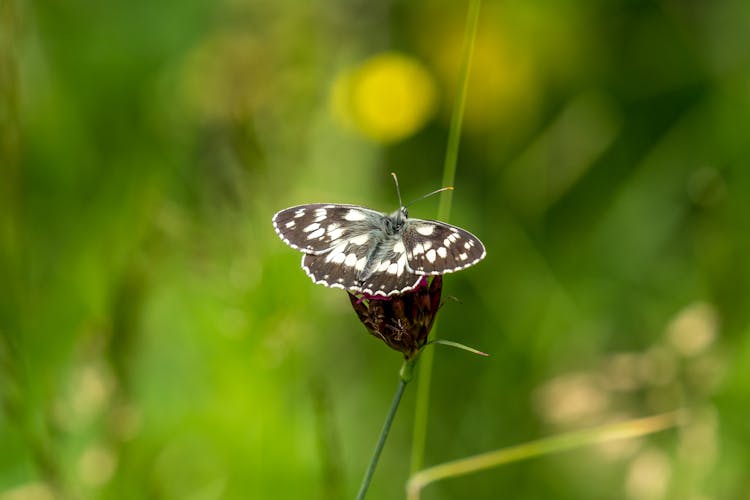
(157, 340)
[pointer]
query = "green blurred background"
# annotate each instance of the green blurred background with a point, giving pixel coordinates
(157, 339)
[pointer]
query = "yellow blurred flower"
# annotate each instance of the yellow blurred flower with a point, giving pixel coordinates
(504, 90)
(387, 98)
(502, 86)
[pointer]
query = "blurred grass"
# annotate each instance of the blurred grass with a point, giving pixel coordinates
(424, 381)
(158, 340)
(597, 436)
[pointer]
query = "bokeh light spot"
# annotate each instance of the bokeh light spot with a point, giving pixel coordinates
(693, 329)
(648, 475)
(387, 98)
(97, 465)
(571, 398)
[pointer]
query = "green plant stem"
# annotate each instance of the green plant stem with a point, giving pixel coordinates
(419, 433)
(554, 444)
(457, 117)
(421, 407)
(403, 380)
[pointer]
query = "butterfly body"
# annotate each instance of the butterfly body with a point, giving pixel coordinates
(366, 251)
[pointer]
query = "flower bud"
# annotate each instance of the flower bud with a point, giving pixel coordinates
(402, 321)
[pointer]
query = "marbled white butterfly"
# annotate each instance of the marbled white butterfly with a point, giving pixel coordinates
(365, 251)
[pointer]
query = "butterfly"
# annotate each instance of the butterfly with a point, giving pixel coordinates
(373, 253)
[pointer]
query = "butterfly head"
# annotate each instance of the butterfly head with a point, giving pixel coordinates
(395, 221)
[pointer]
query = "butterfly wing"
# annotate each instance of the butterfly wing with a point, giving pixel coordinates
(341, 243)
(347, 246)
(373, 267)
(319, 227)
(434, 247)
(330, 270)
(343, 264)
(388, 272)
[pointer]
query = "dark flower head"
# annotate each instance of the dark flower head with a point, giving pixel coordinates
(402, 321)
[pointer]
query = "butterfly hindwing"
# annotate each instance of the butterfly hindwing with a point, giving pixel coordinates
(375, 267)
(343, 264)
(318, 227)
(434, 247)
(388, 271)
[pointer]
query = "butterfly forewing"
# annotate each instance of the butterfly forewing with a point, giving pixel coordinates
(434, 247)
(319, 227)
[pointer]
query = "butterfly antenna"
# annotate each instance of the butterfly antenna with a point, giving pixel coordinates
(447, 188)
(398, 191)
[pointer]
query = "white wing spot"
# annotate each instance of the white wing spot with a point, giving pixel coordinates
(337, 250)
(299, 213)
(401, 265)
(289, 224)
(360, 264)
(468, 244)
(442, 252)
(320, 212)
(393, 268)
(447, 242)
(311, 227)
(354, 215)
(338, 258)
(351, 260)
(431, 255)
(427, 245)
(425, 230)
(384, 265)
(399, 247)
(360, 240)
(418, 249)
(316, 234)
(335, 233)
(463, 256)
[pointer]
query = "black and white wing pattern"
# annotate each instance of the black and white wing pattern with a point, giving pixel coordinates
(347, 267)
(369, 252)
(346, 246)
(434, 247)
(319, 227)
